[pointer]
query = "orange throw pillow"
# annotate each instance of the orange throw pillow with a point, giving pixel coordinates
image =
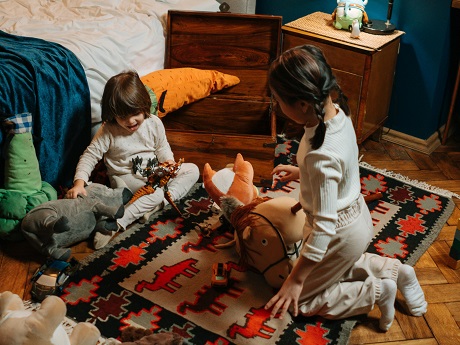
(173, 88)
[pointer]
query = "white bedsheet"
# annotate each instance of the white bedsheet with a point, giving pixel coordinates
(107, 36)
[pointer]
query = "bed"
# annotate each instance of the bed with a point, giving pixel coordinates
(56, 56)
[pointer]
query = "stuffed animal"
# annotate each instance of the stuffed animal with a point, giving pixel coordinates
(347, 11)
(267, 232)
(139, 336)
(19, 326)
(21, 187)
(54, 225)
(235, 180)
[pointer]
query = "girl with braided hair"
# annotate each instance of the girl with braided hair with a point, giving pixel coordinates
(333, 277)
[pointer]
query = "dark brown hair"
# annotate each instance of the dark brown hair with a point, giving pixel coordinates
(302, 73)
(124, 95)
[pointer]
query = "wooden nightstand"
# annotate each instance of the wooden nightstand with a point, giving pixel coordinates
(364, 67)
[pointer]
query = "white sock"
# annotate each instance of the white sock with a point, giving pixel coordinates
(411, 290)
(100, 240)
(386, 303)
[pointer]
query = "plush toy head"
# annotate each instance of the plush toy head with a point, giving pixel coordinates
(267, 234)
(235, 181)
(56, 224)
(347, 11)
(19, 326)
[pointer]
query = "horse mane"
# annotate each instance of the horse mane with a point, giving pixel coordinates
(240, 219)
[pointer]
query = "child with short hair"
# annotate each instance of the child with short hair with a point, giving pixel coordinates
(128, 131)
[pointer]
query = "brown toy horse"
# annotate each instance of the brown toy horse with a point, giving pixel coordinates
(267, 233)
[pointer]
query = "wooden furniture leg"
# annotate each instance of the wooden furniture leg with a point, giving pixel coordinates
(452, 107)
(454, 255)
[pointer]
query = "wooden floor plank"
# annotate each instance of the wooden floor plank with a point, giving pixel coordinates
(425, 261)
(442, 324)
(412, 327)
(374, 156)
(429, 341)
(454, 309)
(439, 293)
(396, 152)
(423, 161)
(393, 165)
(442, 161)
(447, 233)
(439, 251)
(428, 276)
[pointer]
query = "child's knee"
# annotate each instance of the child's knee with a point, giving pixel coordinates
(192, 171)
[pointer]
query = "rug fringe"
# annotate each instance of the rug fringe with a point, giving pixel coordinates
(415, 183)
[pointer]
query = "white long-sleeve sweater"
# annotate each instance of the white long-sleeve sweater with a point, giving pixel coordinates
(329, 180)
(118, 147)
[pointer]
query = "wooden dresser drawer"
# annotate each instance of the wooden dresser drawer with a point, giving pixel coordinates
(365, 73)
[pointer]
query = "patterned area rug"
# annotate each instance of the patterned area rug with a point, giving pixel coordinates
(158, 275)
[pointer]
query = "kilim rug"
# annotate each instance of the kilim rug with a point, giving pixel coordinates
(158, 275)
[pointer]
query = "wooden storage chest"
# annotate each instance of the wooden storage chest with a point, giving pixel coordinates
(235, 120)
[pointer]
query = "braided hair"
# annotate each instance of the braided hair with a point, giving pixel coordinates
(302, 73)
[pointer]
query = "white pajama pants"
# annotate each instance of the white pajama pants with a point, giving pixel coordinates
(178, 187)
(347, 282)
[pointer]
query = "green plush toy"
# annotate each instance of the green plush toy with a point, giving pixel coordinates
(23, 187)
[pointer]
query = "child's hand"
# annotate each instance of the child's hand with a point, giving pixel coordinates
(290, 172)
(78, 188)
(286, 297)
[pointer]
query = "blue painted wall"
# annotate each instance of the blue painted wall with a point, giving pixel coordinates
(423, 81)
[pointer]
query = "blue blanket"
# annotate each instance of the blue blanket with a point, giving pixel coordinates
(46, 80)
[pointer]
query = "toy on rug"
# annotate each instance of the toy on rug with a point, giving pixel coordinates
(267, 234)
(347, 11)
(19, 326)
(139, 336)
(158, 175)
(22, 188)
(55, 225)
(235, 180)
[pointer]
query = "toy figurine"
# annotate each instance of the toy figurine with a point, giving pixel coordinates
(355, 29)
(158, 176)
(347, 11)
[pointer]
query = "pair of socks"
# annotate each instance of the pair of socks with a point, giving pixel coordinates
(411, 290)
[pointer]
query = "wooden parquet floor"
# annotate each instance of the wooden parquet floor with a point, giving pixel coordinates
(441, 284)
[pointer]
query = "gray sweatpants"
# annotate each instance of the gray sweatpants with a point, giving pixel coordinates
(347, 282)
(178, 187)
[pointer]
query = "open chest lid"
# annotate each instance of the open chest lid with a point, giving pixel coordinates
(238, 44)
